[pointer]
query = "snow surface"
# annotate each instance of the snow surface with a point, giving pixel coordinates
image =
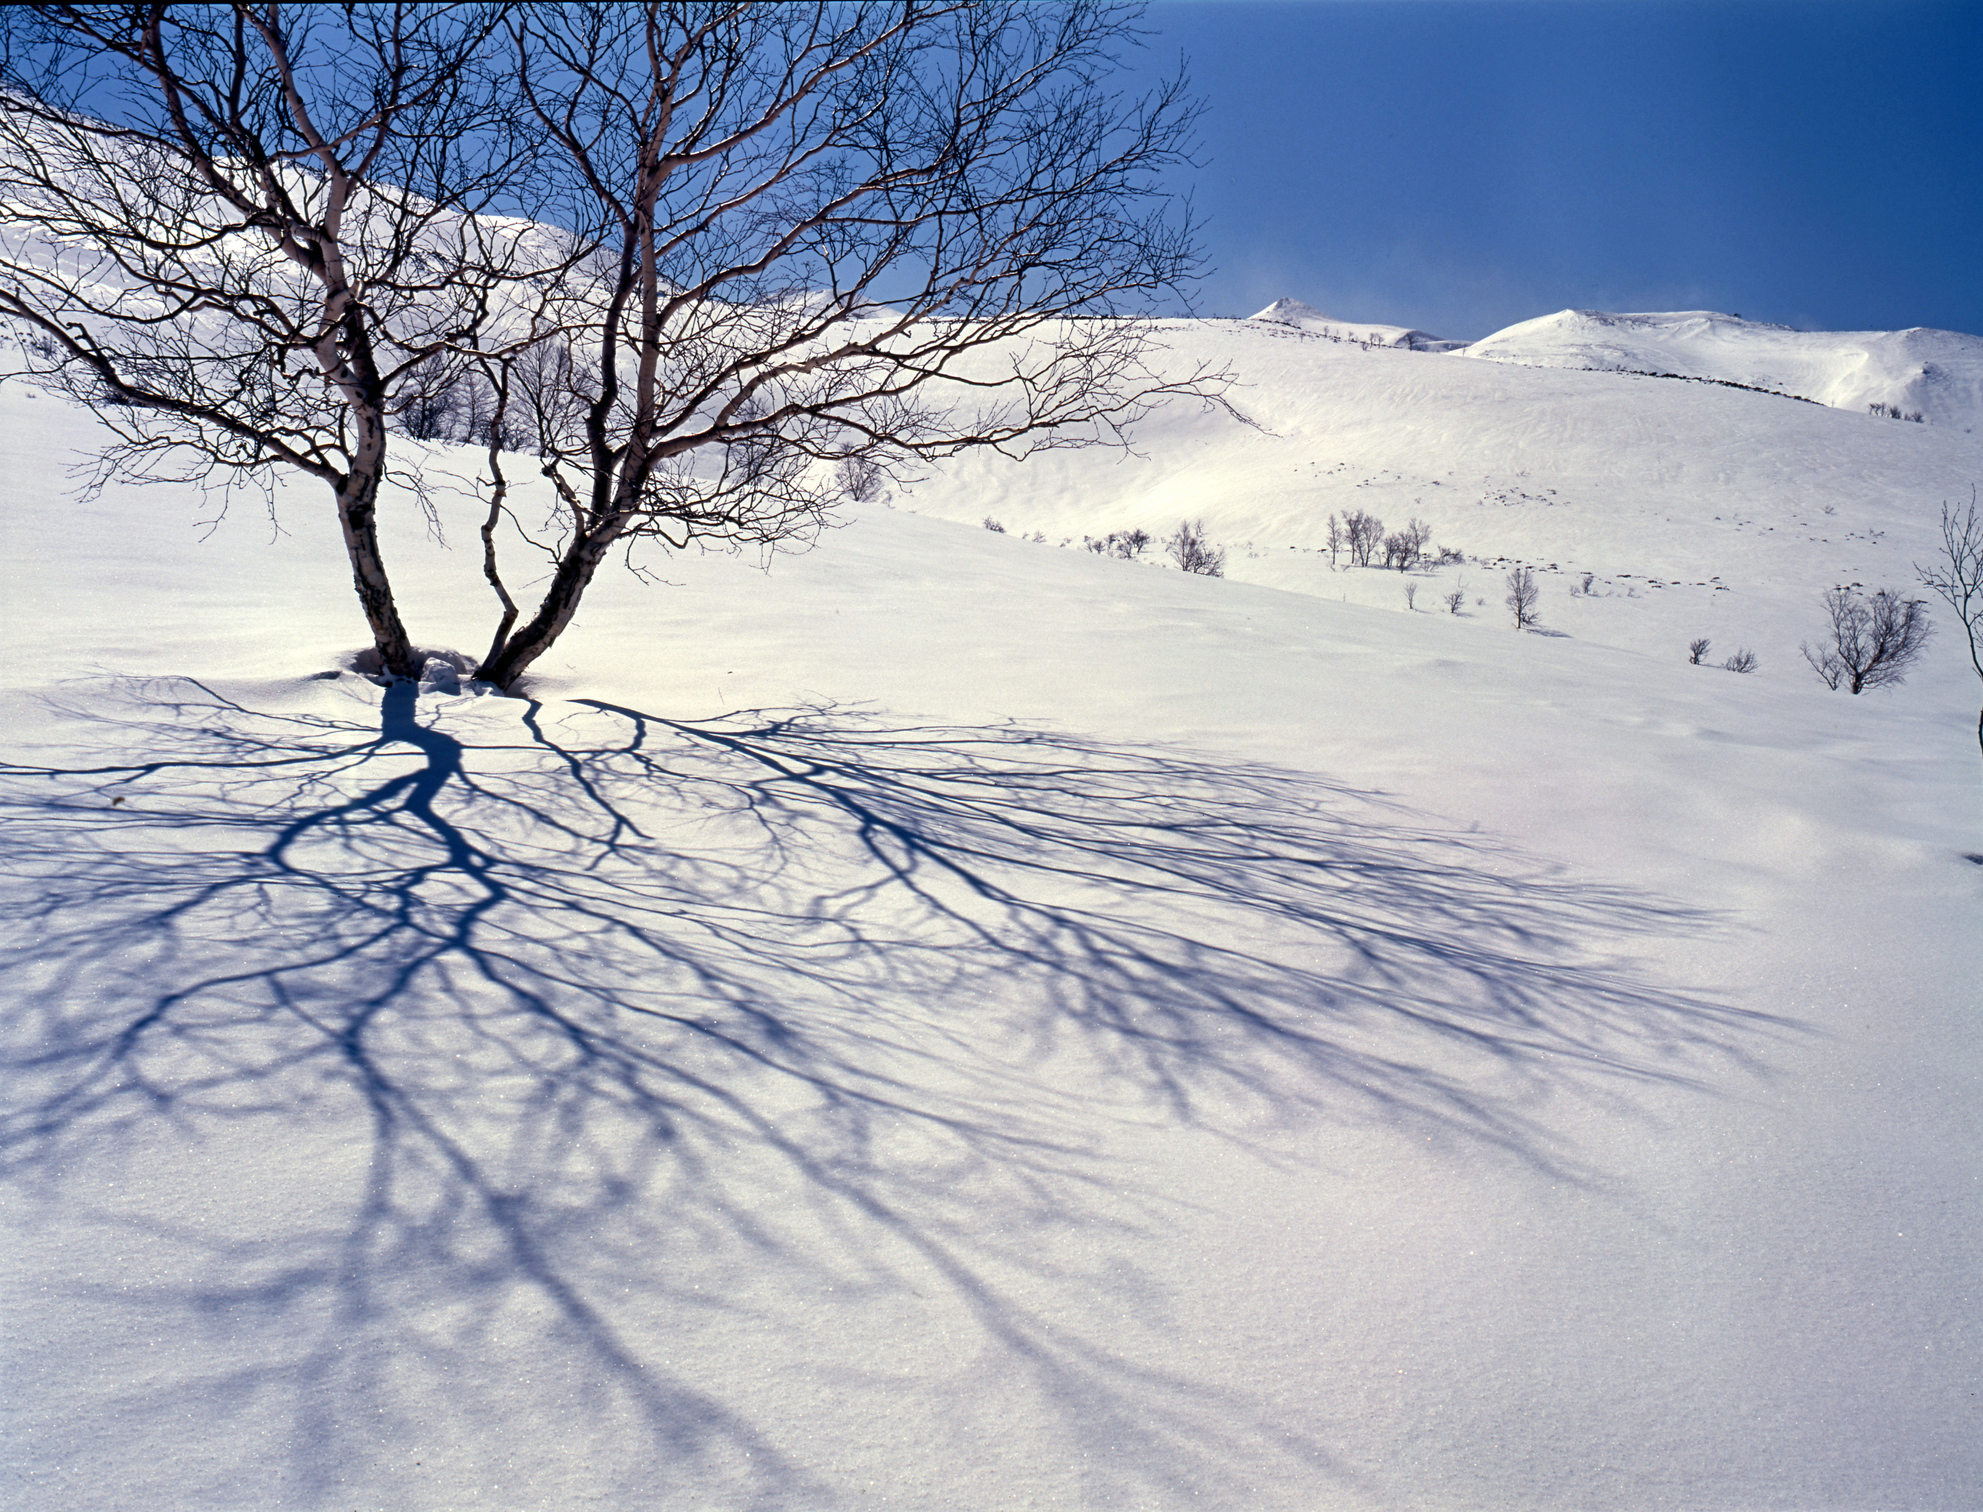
(951, 1022)
(1935, 374)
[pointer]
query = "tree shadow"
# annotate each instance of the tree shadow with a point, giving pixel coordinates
(620, 1043)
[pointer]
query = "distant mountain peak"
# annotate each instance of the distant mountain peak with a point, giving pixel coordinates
(1303, 316)
(1289, 312)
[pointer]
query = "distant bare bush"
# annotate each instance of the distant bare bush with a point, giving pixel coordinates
(1456, 598)
(1873, 642)
(1523, 595)
(862, 478)
(1741, 661)
(1696, 649)
(1127, 545)
(1192, 552)
(993, 526)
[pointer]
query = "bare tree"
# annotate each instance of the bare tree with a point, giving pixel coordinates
(1335, 540)
(1873, 642)
(269, 252)
(1958, 577)
(1697, 650)
(1404, 549)
(1364, 535)
(862, 478)
(1193, 552)
(1523, 595)
(1456, 597)
(822, 233)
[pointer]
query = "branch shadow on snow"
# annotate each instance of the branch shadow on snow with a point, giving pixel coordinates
(656, 1059)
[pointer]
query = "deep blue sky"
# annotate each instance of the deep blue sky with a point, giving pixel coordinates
(1460, 165)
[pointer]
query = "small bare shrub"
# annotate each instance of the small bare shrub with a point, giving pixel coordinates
(1873, 642)
(1523, 595)
(862, 478)
(1696, 649)
(1456, 598)
(1192, 552)
(1411, 596)
(1741, 661)
(993, 526)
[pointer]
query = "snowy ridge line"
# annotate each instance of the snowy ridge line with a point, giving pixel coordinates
(1723, 382)
(1938, 374)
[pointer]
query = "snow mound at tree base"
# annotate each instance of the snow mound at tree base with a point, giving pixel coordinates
(1935, 375)
(447, 674)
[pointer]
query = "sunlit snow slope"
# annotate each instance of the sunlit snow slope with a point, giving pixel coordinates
(952, 1021)
(1936, 375)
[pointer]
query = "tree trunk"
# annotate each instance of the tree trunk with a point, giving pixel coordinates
(556, 609)
(358, 515)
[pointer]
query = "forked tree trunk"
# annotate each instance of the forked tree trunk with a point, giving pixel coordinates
(559, 604)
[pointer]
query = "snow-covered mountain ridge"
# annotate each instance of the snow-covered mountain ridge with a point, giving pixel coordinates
(1936, 376)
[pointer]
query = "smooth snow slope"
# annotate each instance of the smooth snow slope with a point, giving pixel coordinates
(1935, 374)
(954, 1023)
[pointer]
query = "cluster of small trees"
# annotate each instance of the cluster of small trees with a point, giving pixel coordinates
(1893, 412)
(1126, 545)
(1363, 536)
(1189, 547)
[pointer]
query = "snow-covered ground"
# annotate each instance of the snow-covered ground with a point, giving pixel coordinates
(953, 1021)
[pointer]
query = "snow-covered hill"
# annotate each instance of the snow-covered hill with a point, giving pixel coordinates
(1305, 317)
(1694, 509)
(1936, 376)
(950, 1021)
